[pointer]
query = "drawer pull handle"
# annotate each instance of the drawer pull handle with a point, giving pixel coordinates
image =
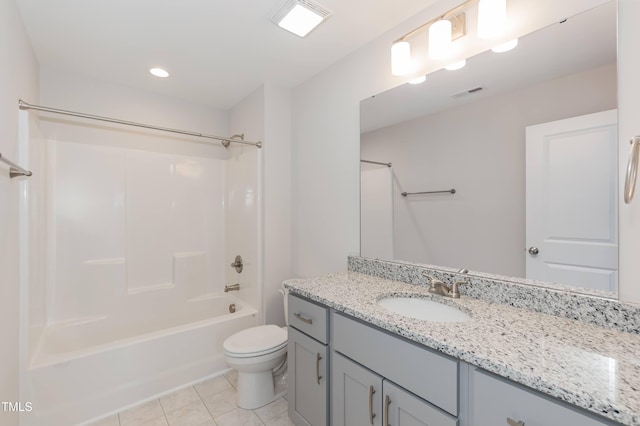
(318, 376)
(371, 413)
(387, 403)
(301, 318)
(512, 422)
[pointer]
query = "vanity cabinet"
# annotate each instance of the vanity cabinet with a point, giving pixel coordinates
(362, 397)
(495, 401)
(308, 364)
(380, 379)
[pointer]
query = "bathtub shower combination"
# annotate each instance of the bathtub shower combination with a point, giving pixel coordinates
(140, 233)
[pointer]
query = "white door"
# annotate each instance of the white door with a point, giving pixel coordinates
(571, 201)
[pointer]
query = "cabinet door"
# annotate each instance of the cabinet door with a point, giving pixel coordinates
(356, 394)
(308, 391)
(498, 402)
(405, 409)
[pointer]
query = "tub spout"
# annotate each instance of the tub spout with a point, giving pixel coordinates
(233, 287)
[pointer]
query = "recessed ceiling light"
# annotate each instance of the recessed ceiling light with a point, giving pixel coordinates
(300, 16)
(159, 72)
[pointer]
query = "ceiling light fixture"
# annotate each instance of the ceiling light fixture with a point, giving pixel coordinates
(446, 28)
(418, 80)
(300, 16)
(159, 72)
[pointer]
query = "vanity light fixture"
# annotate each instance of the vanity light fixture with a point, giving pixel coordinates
(505, 47)
(300, 16)
(492, 18)
(159, 72)
(440, 39)
(401, 58)
(456, 65)
(443, 30)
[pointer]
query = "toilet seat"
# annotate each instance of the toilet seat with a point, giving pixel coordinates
(256, 341)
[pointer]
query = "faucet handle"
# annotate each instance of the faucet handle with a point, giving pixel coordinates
(455, 293)
(432, 281)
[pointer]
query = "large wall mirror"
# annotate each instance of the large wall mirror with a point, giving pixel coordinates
(528, 141)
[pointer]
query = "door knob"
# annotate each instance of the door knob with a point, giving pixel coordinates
(533, 250)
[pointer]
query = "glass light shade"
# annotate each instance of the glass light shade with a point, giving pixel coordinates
(300, 20)
(418, 80)
(492, 18)
(456, 65)
(505, 47)
(440, 39)
(401, 58)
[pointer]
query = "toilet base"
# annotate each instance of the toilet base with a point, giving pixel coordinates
(256, 390)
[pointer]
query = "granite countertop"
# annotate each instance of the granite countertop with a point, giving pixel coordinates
(592, 367)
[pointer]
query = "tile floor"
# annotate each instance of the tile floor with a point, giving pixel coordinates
(208, 403)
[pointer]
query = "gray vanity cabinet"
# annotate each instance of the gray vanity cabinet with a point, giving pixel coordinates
(362, 397)
(356, 394)
(380, 379)
(308, 364)
(495, 401)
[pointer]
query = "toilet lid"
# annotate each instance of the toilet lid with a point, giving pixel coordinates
(256, 341)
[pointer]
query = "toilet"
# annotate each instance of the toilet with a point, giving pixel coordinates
(258, 354)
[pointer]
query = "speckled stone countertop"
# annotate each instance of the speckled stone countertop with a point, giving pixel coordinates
(592, 367)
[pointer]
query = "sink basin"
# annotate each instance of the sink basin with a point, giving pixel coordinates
(423, 309)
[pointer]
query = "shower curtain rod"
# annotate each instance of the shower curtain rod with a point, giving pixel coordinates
(376, 162)
(225, 141)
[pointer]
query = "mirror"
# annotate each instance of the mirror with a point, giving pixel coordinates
(474, 130)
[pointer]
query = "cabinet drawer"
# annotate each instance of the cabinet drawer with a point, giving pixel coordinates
(494, 401)
(431, 376)
(308, 317)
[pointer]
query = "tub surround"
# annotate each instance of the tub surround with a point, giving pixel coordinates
(590, 366)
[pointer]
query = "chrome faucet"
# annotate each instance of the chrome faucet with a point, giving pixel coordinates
(438, 287)
(233, 287)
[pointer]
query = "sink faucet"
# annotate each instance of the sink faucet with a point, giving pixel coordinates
(438, 287)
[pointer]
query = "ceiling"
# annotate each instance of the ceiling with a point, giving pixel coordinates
(584, 41)
(217, 51)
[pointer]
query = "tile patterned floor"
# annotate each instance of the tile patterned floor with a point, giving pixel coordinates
(208, 403)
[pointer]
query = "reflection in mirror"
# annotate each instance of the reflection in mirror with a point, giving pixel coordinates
(528, 141)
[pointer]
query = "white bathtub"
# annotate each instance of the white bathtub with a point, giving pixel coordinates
(91, 367)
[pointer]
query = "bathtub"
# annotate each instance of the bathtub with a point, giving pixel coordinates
(90, 367)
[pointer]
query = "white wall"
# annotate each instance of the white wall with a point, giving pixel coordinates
(18, 79)
(478, 149)
(277, 199)
(326, 135)
(265, 115)
(245, 200)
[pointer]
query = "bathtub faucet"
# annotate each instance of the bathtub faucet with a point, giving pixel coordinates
(233, 287)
